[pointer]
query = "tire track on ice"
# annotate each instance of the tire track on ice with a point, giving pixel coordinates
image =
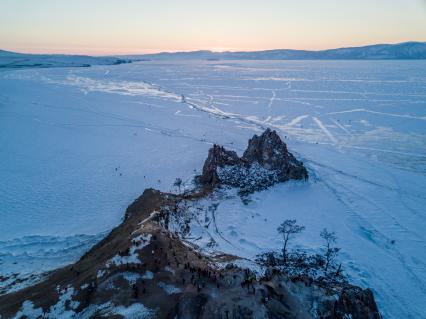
(128, 122)
(341, 126)
(325, 130)
(365, 230)
(272, 99)
(405, 116)
(296, 120)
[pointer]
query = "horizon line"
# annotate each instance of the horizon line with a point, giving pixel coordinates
(174, 51)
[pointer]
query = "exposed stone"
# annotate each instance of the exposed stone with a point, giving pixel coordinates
(356, 303)
(218, 157)
(190, 306)
(265, 162)
(271, 153)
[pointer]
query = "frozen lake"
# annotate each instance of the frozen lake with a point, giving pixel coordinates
(77, 145)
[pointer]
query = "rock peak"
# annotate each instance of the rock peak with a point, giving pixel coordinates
(266, 149)
(266, 161)
(218, 157)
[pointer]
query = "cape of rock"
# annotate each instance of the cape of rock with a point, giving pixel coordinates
(266, 161)
(142, 269)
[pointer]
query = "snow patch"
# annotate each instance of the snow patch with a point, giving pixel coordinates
(148, 275)
(118, 87)
(133, 257)
(131, 277)
(169, 289)
(169, 269)
(100, 273)
(63, 309)
(28, 310)
(134, 311)
(253, 177)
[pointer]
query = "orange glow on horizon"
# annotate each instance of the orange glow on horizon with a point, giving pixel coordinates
(131, 27)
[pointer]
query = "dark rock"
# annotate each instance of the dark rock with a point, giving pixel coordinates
(265, 162)
(358, 303)
(190, 306)
(271, 153)
(277, 309)
(218, 157)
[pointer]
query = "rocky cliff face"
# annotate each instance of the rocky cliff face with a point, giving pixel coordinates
(265, 162)
(357, 302)
(218, 157)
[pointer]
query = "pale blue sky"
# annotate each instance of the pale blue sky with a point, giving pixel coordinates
(138, 26)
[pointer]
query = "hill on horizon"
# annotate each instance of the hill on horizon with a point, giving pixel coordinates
(406, 50)
(399, 51)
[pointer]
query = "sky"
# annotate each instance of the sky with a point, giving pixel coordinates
(102, 27)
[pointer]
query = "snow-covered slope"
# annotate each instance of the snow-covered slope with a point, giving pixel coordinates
(20, 60)
(77, 145)
(407, 50)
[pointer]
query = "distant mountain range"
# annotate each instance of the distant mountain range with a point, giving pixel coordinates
(406, 50)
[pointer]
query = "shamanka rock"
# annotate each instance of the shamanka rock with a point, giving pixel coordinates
(265, 162)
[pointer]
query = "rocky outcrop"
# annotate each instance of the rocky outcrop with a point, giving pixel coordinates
(271, 153)
(265, 162)
(218, 157)
(141, 270)
(357, 302)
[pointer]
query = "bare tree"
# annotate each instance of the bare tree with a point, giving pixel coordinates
(288, 229)
(330, 251)
(178, 183)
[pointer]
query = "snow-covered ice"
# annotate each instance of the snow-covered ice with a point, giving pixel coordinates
(77, 145)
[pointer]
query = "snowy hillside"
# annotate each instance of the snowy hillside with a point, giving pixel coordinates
(407, 50)
(77, 145)
(19, 60)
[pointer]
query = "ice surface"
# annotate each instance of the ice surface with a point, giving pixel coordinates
(77, 145)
